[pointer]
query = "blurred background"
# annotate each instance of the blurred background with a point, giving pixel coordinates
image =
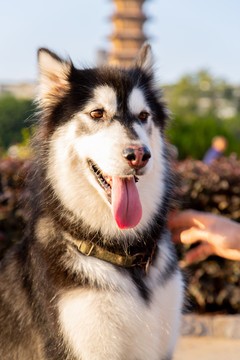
(196, 51)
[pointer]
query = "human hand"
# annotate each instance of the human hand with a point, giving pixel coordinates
(218, 235)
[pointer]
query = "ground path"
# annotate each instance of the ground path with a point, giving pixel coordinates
(215, 337)
(207, 348)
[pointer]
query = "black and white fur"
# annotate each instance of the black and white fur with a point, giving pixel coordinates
(56, 303)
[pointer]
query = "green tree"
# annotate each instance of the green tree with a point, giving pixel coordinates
(15, 115)
(192, 139)
(196, 102)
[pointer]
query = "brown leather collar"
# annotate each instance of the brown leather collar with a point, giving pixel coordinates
(127, 261)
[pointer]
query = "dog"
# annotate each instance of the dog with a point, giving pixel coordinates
(96, 275)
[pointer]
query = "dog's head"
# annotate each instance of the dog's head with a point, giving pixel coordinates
(104, 130)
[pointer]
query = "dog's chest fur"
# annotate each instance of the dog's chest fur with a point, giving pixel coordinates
(117, 322)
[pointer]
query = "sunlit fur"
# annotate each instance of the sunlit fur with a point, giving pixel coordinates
(55, 302)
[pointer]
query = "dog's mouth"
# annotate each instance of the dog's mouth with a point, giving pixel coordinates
(122, 194)
(104, 181)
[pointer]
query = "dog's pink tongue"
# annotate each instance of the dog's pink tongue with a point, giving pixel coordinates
(127, 209)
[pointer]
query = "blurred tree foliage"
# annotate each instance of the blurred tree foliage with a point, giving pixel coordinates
(201, 108)
(15, 115)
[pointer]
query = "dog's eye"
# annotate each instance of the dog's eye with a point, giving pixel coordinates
(97, 114)
(143, 115)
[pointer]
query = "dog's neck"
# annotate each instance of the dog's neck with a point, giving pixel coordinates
(138, 252)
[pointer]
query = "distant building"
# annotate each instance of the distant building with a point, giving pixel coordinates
(128, 35)
(25, 90)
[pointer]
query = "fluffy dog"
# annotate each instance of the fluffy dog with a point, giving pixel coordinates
(96, 275)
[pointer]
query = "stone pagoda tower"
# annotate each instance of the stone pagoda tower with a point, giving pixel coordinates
(128, 35)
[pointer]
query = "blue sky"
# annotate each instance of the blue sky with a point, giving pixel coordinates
(186, 35)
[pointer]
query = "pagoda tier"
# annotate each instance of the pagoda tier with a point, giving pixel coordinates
(128, 35)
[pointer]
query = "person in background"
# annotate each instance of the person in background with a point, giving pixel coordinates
(217, 235)
(219, 145)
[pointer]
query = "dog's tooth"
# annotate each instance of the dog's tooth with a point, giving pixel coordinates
(104, 181)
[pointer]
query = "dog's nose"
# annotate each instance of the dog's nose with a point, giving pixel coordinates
(137, 157)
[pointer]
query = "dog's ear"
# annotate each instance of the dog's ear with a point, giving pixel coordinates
(144, 59)
(53, 77)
